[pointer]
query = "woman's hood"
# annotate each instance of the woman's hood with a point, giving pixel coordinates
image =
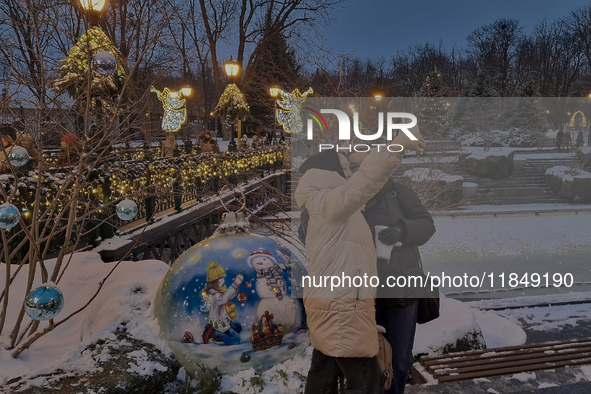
(327, 160)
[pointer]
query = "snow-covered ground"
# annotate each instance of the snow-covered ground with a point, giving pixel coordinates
(556, 243)
(527, 235)
(126, 297)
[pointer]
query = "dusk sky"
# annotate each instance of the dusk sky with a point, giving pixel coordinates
(375, 28)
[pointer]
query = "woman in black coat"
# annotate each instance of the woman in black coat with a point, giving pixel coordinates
(409, 225)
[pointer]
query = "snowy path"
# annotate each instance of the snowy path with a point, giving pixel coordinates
(490, 247)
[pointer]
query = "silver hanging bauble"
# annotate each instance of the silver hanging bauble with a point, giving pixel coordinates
(104, 63)
(44, 302)
(9, 216)
(126, 209)
(18, 156)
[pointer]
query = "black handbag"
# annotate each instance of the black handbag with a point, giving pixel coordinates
(428, 308)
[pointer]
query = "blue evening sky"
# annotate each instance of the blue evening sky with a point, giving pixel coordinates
(375, 28)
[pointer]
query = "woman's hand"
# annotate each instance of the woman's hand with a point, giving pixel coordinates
(407, 143)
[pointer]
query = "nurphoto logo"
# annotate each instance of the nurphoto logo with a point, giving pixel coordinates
(344, 132)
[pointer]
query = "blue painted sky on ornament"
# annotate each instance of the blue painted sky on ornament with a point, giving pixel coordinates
(375, 28)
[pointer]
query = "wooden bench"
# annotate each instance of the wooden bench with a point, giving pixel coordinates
(566, 144)
(442, 147)
(507, 360)
(546, 143)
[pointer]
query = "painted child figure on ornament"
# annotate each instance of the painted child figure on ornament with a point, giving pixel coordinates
(222, 328)
(269, 272)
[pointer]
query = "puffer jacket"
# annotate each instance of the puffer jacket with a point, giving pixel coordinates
(399, 204)
(342, 322)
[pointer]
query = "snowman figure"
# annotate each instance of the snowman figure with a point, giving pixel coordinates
(272, 290)
(268, 272)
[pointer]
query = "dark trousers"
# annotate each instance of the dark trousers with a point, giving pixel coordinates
(361, 374)
(400, 325)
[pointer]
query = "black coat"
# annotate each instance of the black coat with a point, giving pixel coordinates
(399, 204)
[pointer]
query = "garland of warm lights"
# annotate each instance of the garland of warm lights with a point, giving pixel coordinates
(572, 120)
(133, 178)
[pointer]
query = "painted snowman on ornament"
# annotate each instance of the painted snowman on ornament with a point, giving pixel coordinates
(272, 290)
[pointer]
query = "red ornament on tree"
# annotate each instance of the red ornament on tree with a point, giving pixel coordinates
(188, 337)
(241, 297)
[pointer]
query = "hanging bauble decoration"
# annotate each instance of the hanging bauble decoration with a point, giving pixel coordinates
(104, 63)
(242, 297)
(18, 156)
(245, 357)
(9, 216)
(188, 337)
(44, 302)
(126, 209)
(234, 324)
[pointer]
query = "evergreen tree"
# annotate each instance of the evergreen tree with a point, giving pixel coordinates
(479, 114)
(528, 116)
(434, 109)
(482, 85)
(277, 67)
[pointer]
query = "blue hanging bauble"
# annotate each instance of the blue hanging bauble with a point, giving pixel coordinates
(126, 209)
(44, 302)
(9, 216)
(239, 295)
(18, 156)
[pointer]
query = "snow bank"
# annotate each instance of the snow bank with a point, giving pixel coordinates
(499, 331)
(126, 297)
(453, 330)
(284, 378)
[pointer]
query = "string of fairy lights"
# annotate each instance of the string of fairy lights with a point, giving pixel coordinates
(112, 182)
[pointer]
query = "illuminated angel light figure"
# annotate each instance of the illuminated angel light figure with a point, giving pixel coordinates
(173, 103)
(288, 115)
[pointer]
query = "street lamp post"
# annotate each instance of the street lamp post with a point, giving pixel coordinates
(232, 70)
(274, 93)
(93, 9)
(187, 92)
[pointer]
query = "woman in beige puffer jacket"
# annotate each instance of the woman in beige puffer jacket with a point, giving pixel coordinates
(339, 243)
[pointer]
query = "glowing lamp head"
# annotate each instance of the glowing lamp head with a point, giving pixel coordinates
(274, 92)
(232, 68)
(186, 91)
(93, 5)
(378, 97)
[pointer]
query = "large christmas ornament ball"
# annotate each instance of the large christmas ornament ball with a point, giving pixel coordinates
(9, 216)
(18, 156)
(44, 302)
(104, 63)
(235, 326)
(126, 209)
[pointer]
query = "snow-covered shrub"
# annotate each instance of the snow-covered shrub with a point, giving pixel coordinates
(437, 189)
(571, 183)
